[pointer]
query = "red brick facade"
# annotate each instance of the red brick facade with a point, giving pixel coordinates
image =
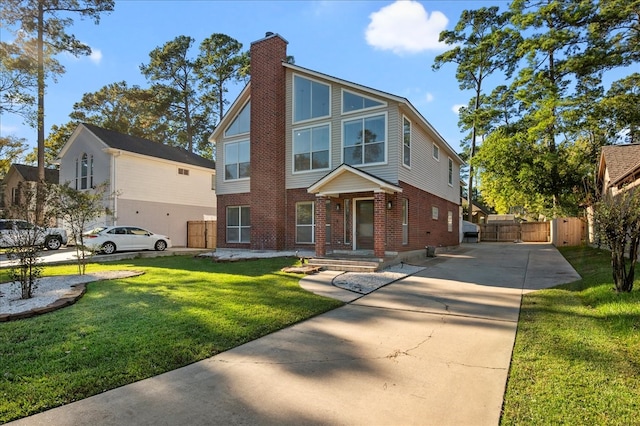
(273, 207)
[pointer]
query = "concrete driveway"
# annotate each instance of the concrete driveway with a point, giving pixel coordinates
(431, 349)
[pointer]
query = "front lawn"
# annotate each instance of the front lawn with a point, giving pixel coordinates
(576, 359)
(181, 310)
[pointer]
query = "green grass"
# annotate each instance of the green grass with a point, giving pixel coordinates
(576, 359)
(180, 311)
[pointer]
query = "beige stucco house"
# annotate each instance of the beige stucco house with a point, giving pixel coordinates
(151, 185)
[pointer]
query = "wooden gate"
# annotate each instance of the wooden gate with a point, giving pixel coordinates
(201, 234)
(569, 231)
(535, 232)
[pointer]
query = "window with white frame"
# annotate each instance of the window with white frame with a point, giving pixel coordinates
(311, 148)
(450, 221)
(406, 142)
(405, 221)
(364, 140)
(436, 152)
(450, 179)
(236, 160)
(434, 212)
(238, 224)
(311, 99)
(242, 123)
(353, 102)
(305, 222)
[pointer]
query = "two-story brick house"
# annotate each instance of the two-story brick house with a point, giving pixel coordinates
(310, 161)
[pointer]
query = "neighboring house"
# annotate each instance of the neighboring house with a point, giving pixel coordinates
(313, 162)
(14, 182)
(151, 185)
(619, 167)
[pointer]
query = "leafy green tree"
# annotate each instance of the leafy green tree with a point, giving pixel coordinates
(617, 225)
(17, 77)
(174, 77)
(483, 44)
(619, 110)
(46, 22)
(11, 151)
(221, 61)
(79, 209)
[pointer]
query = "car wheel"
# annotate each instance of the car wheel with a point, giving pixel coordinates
(53, 243)
(108, 248)
(161, 245)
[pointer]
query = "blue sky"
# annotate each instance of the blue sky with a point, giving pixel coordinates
(386, 45)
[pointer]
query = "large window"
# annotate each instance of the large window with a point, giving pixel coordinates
(310, 99)
(236, 160)
(406, 142)
(84, 172)
(241, 124)
(352, 102)
(450, 179)
(238, 224)
(311, 148)
(364, 140)
(305, 223)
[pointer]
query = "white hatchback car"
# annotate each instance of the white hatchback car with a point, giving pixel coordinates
(109, 239)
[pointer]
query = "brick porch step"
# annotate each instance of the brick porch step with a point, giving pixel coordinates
(347, 265)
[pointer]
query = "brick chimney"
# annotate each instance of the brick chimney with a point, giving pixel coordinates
(268, 192)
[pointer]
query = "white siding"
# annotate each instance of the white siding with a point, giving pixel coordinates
(85, 142)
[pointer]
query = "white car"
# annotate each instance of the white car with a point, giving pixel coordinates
(16, 232)
(109, 239)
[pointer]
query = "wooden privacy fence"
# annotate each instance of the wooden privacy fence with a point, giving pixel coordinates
(528, 232)
(201, 234)
(569, 231)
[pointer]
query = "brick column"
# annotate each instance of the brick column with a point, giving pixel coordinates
(379, 224)
(321, 226)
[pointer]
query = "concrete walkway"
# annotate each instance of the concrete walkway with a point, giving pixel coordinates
(431, 349)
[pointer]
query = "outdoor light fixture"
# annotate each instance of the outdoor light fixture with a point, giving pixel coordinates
(338, 207)
(389, 205)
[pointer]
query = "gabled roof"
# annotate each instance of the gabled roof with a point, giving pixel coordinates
(30, 173)
(356, 181)
(620, 160)
(137, 145)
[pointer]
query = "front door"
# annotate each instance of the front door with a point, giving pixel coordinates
(364, 225)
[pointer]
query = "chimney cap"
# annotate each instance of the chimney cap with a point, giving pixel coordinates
(268, 34)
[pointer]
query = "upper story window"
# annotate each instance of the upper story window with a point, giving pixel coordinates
(236, 160)
(84, 172)
(436, 152)
(311, 148)
(353, 102)
(311, 99)
(406, 142)
(364, 140)
(182, 171)
(242, 123)
(450, 172)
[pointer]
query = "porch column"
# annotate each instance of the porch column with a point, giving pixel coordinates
(379, 224)
(321, 226)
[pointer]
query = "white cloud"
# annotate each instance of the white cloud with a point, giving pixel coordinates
(406, 27)
(96, 55)
(456, 108)
(428, 97)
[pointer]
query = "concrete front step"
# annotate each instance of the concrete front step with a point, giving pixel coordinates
(347, 265)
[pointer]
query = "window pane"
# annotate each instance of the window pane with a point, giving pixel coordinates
(244, 170)
(374, 129)
(320, 138)
(302, 98)
(374, 153)
(231, 171)
(242, 122)
(245, 235)
(304, 214)
(320, 160)
(230, 153)
(245, 219)
(233, 216)
(233, 235)
(353, 155)
(352, 133)
(302, 141)
(304, 234)
(244, 152)
(351, 102)
(302, 162)
(320, 100)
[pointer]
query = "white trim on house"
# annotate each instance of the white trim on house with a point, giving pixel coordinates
(330, 184)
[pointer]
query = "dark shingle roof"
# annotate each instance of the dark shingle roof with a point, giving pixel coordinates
(143, 146)
(621, 160)
(30, 173)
